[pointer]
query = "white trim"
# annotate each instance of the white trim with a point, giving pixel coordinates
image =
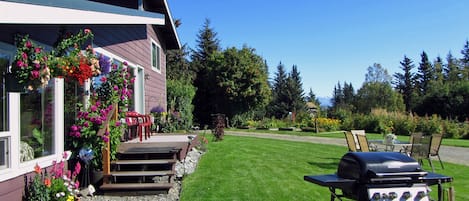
(43, 14)
(158, 46)
(18, 168)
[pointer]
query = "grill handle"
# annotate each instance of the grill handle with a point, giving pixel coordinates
(399, 174)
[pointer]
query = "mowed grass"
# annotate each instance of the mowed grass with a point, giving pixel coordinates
(247, 168)
(340, 134)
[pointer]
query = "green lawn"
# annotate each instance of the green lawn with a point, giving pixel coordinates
(247, 168)
(340, 134)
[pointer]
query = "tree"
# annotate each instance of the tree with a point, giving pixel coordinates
(451, 70)
(404, 83)
(295, 91)
(311, 97)
(465, 60)
(377, 73)
(377, 92)
(424, 75)
(240, 82)
(178, 67)
(279, 106)
(207, 45)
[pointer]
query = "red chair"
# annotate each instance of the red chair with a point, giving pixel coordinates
(147, 125)
(132, 120)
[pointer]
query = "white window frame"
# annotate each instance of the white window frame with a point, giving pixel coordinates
(156, 68)
(139, 85)
(14, 167)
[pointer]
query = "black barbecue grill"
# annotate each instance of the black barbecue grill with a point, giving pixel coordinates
(380, 176)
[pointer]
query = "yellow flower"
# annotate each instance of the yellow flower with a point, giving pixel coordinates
(70, 198)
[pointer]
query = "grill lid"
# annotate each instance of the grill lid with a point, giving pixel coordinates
(365, 166)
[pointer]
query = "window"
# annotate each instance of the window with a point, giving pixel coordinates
(5, 59)
(155, 56)
(37, 121)
(3, 153)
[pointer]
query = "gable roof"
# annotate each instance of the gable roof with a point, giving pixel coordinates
(72, 12)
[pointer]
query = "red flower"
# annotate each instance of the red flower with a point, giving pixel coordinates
(37, 169)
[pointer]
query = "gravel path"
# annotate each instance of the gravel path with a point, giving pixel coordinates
(457, 155)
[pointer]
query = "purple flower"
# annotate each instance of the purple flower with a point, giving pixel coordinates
(105, 64)
(86, 124)
(105, 139)
(125, 63)
(116, 88)
(74, 128)
(118, 123)
(157, 109)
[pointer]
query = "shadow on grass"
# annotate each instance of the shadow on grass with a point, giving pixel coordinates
(324, 165)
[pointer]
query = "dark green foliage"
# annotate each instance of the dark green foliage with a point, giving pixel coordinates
(180, 96)
(424, 75)
(404, 83)
(279, 107)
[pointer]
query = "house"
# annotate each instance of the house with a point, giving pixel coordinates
(138, 32)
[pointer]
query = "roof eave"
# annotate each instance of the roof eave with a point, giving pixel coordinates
(44, 14)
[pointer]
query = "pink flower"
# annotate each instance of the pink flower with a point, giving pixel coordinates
(116, 88)
(125, 63)
(34, 74)
(86, 124)
(37, 50)
(93, 108)
(87, 31)
(74, 128)
(24, 56)
(28, 44)
(19, 63)
(77, 169)
(103, 79)
(118, 123)
(105, 139)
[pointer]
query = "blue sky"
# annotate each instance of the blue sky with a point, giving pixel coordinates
(331, 41)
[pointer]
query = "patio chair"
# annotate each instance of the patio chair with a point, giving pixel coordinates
(435, 147)
(421, 149)
(407, 149)
(351, 142)
(363, 142)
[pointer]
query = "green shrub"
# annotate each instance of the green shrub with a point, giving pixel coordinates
(430, 125)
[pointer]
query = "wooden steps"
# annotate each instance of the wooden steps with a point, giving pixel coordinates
(141, 173)
(143, 162)
(137, 186)
(142, 168)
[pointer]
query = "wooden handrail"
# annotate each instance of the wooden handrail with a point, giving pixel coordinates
(106, 151)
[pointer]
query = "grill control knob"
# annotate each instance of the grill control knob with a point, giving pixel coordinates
(421, 194)
(376, 196)
(392, 195)
(406, 195)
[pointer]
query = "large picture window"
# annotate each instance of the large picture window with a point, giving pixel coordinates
(37, 117)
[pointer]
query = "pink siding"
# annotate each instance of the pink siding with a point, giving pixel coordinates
(134, 44)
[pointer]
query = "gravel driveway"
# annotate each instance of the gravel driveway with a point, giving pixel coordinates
(457, 155)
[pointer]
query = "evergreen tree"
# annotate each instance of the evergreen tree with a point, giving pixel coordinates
(311, 97)
(437, 69)
(404, 83)
(295, 91)
(451, 70)
(177, 65)
(465, 60)
(337, 96)
(424, 74)
(207, 45)
(279, 106)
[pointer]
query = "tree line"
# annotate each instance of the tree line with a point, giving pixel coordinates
(232, 81)
(425, 88)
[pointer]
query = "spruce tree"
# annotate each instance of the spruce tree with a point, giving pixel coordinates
(207, 45)
(279, 106)
(424, 74)
(451, 70)
(295, 90)
(404, 83)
